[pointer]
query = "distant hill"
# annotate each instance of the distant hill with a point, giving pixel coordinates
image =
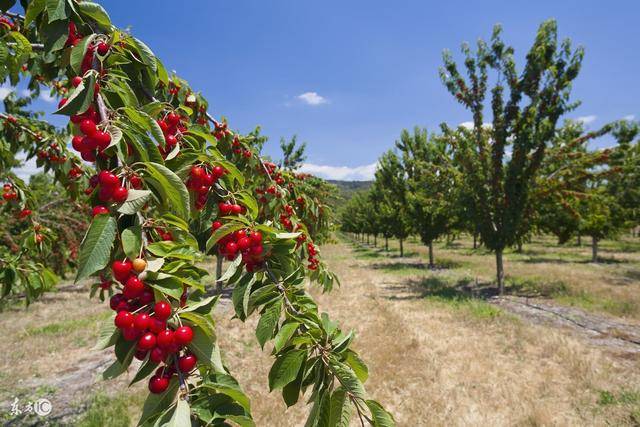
(348, 188)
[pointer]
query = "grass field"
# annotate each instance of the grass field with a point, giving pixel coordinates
(437, 356)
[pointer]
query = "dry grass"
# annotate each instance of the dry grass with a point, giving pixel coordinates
(436, 360)
(562, 272)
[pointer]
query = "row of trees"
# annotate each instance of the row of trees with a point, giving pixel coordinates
(519, 174)
(166, 184)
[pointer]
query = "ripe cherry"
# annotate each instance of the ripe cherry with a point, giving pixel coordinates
(197, 172)
(162, 310)
(139, 265)
(115, 300)
(231, 248)
(187, 363)
(75, 82)
(141, 321)
(166, 339)
(103, 139)
(157, 355)
(108, 179)
(136, 182)
(140, 354)
(156, 325)
(76, 143)
(244, 243)
(124, 320)
(120, 194)
(130, 334)
(147, 341)
(158, 385)
(88, 127)
(102, 49)
(170, 140)
(121, 269)
(256, 237)
(257, 250)
(133, 288)
(172, 118)
(216, 225)
(99, 210)
(146, 297)
(236, 209)
(183, 335)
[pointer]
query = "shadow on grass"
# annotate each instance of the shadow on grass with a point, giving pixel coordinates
(443, 264)
(551, 260)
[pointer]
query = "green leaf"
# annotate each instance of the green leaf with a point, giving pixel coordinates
(125, 351)
(56, 10)
(203, 322)
(282, 337)
(235, 394)
(132, 241)
(340, 409)
(107, 335)
(285, 368)
(267, 323)
(35, 8)
(157, 403)
(81, 97)
(165, 283)
(181, 415)
(95, 12)
(170, 187)
(146, 55)
(144, 371)
(147, 123)
(135, 201)
(381, 418)
(347, 378)
(358, 366)
(78, 52)
(206, 349)
(96, 246)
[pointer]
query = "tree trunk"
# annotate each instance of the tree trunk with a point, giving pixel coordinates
(431, 263)
(519, 248)
(594, 249)
(579, 239)
(218, 273)
(401, 249)
(500, 271)
(386, 244)
(375, 240)
(475, 240)
(367, 238)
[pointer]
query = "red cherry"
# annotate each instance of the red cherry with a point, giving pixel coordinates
(140, 354)
(141, 321)
(103, 139)
(170, 140)
(147, 341)
(89, 143)
(124, 320)
(231, 248)
(166, 339)
(208, 179)
(162, 310)
(115, 300)
(130, 334)
(136, 182)
(157, 355)
(102, 48)
(257, 250)
(75, 82)
(146, 297)
(163, 126)
(89, 156)
(99, 210)
(108, 179)
(217, 171)
(244, 243)
(256, 237)
(183, 335)
(62, 102)
(121, 269)
(120, 194)
(216, 225)
(236, 209)
(187, 363)
(158, 385)
(88, 127)
(133, 288)
(197, 172)
(156, 325)
(76, 143)
(172, 118)
(123, 306)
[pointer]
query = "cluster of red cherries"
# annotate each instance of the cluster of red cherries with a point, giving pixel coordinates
(139, 321)
(8, 193)
(201, 179)
(53, 154)
(110, 187)
(313, 261)
(245, 243)
(237, 148)
(172, 128)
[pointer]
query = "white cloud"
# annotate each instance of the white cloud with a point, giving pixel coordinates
(469, 125)
(358, 173)
(312, 98)
(27, 169)
(5, 91)
(585, 120)
(629, 117)
(47, 98)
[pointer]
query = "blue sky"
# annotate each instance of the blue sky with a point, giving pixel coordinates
(347, 76)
